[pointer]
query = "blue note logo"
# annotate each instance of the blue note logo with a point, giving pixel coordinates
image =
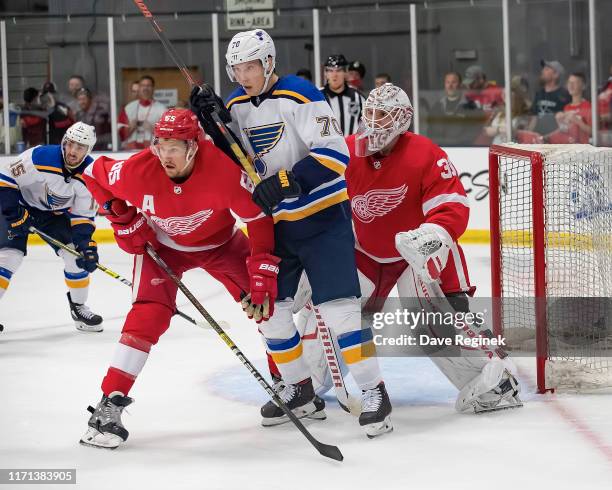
(263, 139)
(53, 201)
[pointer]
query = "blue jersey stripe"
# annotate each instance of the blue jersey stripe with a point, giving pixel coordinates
(283, 344)
(8, 179)
(331, 153)
(351, 339)
(303, 201)
(76, 275)
(5, 273)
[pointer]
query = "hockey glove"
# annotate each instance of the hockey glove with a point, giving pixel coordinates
(203, 101)
(263, 273)
(19, 222)
(89, 260)
(132, 232)
(425, 249)
(270, 192)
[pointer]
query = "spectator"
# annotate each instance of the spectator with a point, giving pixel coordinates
(94, 112)
(575, 119)
(33, 122)
(133, 95)
(355, 74)
(550, 99)
(454, 119)
(381, 79)
(305, 74)
(75, 83)
(604, 104)
(521, 106)
(345, 101)
(59, 116)
(138, 117)
(486, 95)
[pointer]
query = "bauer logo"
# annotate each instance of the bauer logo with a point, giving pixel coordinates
(377, 202)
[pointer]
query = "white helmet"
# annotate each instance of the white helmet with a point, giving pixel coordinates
(83, 134)
(249, 46)
(386, 114)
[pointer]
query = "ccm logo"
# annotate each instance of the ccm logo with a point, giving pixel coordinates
(269, 267)
(133, 228)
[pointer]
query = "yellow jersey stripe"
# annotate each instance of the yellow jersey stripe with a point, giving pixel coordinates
(81, 221)
(314, 208)
(46, 168)
(359, 353)
(331, 164)
(291, 93)
(6, 184)
(4, 283)
(77, 283)
(237, 99)
(287, 356)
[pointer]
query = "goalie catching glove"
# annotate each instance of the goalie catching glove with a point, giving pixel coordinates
(425, 249)
(263, 273)
(132, 232)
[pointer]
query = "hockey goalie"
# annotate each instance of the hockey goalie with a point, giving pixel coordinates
(409, 209)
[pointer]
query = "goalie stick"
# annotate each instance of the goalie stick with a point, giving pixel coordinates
(326, 450)
(354, 407)
(52, 241)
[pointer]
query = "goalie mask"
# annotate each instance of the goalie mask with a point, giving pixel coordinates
(386, 114)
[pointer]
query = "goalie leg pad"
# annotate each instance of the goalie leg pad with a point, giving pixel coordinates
(495, 388)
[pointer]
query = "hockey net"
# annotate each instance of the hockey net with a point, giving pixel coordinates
(551, 250)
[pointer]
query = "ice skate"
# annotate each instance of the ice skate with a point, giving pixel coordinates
(84, 319)
(106, 430)
(300, 398)
(376, 410)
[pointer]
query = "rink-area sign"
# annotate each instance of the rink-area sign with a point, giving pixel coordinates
(249, 14)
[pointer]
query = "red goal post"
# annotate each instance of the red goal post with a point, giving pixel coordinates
(551, 259)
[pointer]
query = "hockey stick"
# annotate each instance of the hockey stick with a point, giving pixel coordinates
(350, 403)
(326, 450)
(52, 241)
(180, 64)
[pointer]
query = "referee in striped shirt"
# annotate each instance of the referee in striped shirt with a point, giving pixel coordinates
(346, 102)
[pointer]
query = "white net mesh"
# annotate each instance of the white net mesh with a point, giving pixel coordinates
(578, 256)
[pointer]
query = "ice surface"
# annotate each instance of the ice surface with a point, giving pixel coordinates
(196, 424)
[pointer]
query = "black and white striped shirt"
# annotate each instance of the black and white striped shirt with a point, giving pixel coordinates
(346, 106)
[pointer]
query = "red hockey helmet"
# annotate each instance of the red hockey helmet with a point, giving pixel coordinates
(180, 124)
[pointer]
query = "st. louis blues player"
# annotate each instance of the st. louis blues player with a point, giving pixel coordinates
(43, 187)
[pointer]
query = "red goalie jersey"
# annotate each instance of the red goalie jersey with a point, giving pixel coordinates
(414, 184)
(192, 216)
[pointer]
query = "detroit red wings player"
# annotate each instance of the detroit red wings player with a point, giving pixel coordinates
(184, 189)
(399, 181)
(409, 209)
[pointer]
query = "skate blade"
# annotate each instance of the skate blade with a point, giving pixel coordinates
(83, 327)
(515, 403)
(379, 428)
(309, 410)
(99, 440)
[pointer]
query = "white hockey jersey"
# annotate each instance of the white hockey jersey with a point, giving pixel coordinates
(37, 178)
(292, 127)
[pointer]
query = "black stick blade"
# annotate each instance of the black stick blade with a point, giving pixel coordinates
(330, 451)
